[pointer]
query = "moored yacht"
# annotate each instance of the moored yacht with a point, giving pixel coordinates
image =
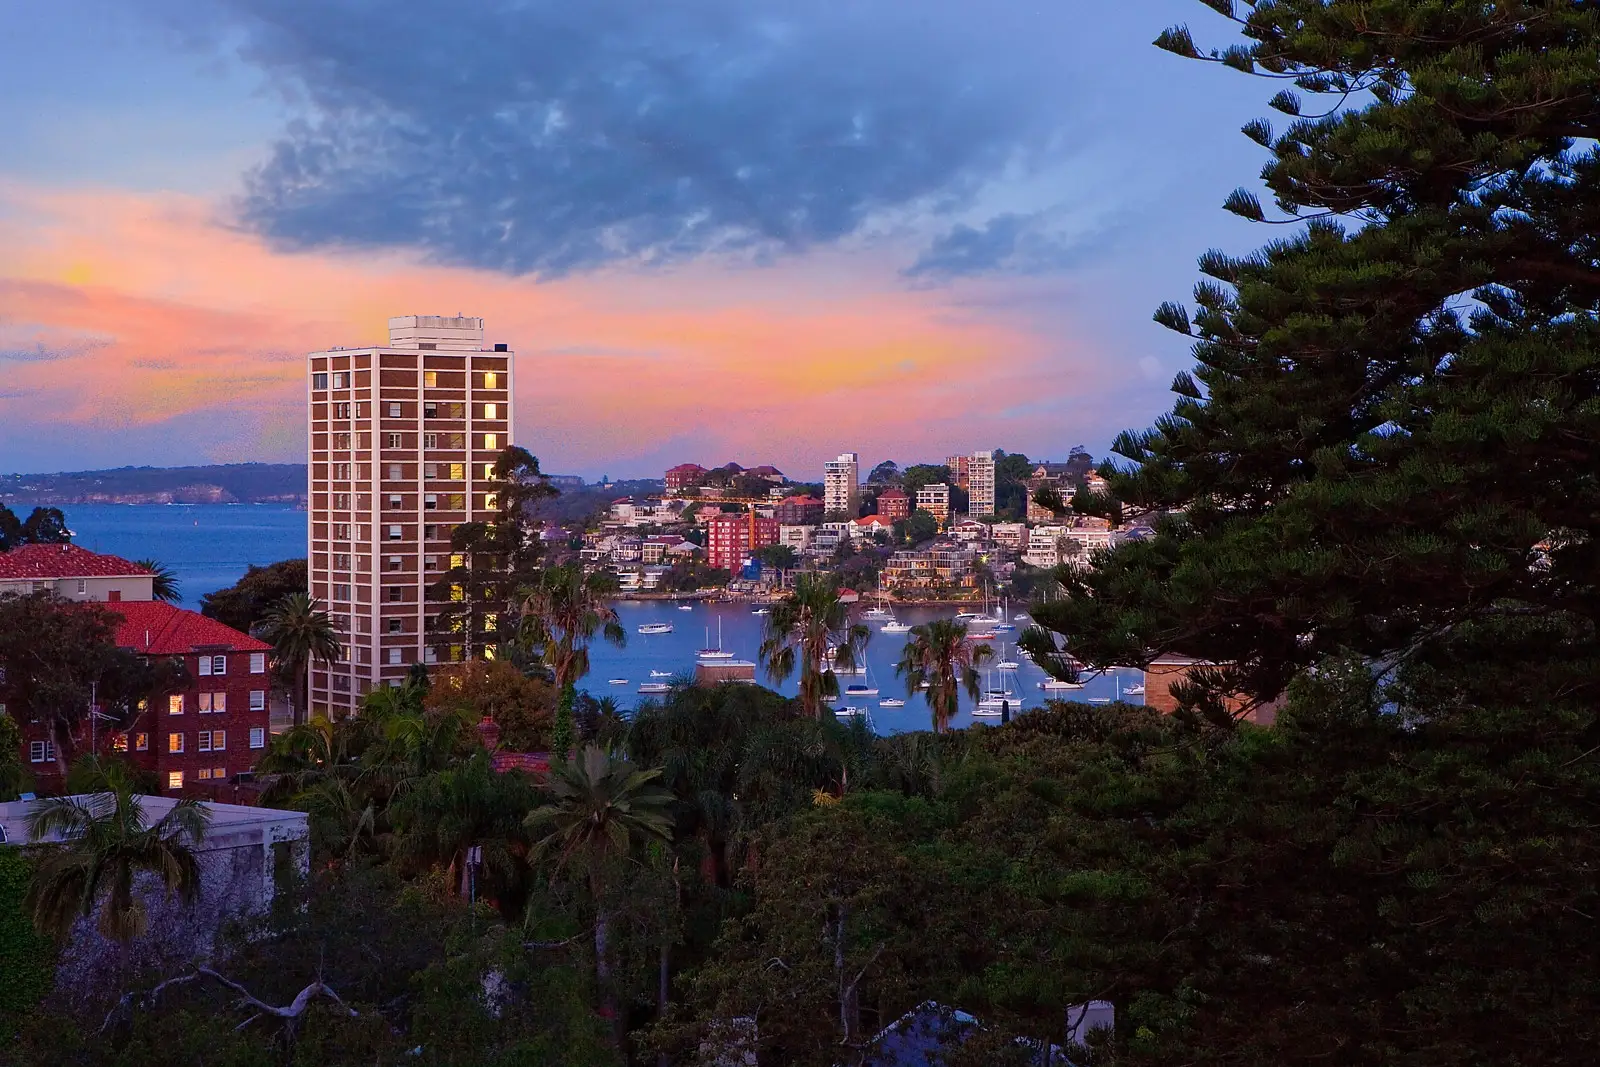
(656, 628)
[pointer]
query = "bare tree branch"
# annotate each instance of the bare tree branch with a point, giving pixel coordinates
(144, 1001)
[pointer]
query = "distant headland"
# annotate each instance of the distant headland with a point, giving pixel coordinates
(222, 483)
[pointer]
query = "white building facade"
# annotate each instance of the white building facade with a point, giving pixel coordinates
(980, 484)
(841, 484)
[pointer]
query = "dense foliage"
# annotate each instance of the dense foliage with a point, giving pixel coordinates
(1390, 441)
(244, 604)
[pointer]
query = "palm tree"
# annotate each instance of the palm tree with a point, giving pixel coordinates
(601, 807)
(562, 612)
(300, 632)
(806, 625)
(104, 845)
(446, 813)
(933, 655)
(164, 583)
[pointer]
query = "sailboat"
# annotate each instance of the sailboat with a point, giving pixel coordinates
(709, 653)
(1004, 624)
(878, 611)
(997, 696)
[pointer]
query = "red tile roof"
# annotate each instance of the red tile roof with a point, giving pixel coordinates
(531, 762)
(892, 494)
(63, 561)
(163, 630)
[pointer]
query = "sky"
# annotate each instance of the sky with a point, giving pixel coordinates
(712, 230)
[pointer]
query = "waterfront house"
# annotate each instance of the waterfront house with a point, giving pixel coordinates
(73, 573)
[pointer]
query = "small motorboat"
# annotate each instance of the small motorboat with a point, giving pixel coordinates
(1056, 683)
(1134, 691)
(661, 674)
(656, 628)
(1007, 665)
(1020, 618)
(994, 705)
(1099, 700)
(860, 691)
(617, 681)
(655, 687)
(685, 607)
(986, 635)
(762, 611)
(714, 653)
(849, 712)
(986, 711)
(1002, 627)
(896, 627)
(877, 613)
(999, 694)
(891, 702)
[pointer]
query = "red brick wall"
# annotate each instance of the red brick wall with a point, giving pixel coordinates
(157, 723)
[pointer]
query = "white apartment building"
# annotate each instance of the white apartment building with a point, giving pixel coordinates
(841, 484)
(796, 537)
(402, 441)
(980, 484)
(935, 500)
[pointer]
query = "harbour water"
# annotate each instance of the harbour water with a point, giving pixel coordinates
(675, 653)
(209, 546)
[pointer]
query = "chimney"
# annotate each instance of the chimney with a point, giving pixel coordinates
(489, 733)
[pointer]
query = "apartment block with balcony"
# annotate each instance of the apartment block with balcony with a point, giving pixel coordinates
(730, 539)
(402, 440)
(841, 484)
(980, 484)
(935, 500)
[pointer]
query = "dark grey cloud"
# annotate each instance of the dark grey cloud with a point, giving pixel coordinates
(1007, 244)
(550, 136)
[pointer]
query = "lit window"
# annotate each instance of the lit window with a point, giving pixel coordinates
(319, 381)
(491, 411)
(489, 619)
(394, 411)
(119, 743)
(457, 593)
(491, 380)
(458, 472)
(491, 440)
(219, 772)
(141, 742)
(213, 703)
(175, 704)
(219, 740)
(258, 700)
(174, 742)
(488, 470)
(430, 379)
(203, 773)
(491, 501)
(457, 559)
(174, 779)
(258, 737)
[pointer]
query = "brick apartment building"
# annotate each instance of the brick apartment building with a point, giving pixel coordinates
(730, 539)
(798, 511)
(209, 732)
(403, 440)
(894, 505)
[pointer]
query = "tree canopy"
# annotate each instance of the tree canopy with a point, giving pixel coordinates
(244, 604)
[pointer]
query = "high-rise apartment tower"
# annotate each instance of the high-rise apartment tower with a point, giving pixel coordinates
(980, 484)
(841, 484)
(402, 442)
